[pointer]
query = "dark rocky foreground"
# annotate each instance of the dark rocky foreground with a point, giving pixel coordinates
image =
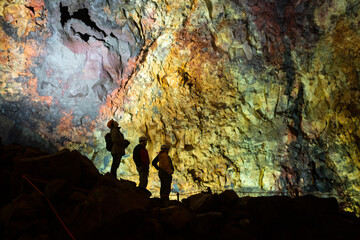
(95, 206)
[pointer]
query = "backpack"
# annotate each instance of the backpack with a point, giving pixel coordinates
(136, 155)
(108, 142)
(126, 143)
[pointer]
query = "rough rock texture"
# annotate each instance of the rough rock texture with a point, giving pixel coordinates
(63, 196)
(255, 96)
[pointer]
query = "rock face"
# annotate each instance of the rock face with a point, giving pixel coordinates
(255, 96)
(63, 196)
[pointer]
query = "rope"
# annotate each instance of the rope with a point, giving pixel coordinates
(52, 207)
(260, 193)
(219, 191)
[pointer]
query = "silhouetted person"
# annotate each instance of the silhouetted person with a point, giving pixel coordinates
(166, 169)
(118, 148)
(141, 159)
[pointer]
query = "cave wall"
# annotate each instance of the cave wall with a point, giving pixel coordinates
(257, 96)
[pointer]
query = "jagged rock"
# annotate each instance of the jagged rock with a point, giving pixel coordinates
(106, 207)
(275, 213)
(58, 189)
(102, 206)
(25, 215)
(207, 225)
(175, 218)
(197, 202)
(71, 166)
(228, 197)
(229, 231)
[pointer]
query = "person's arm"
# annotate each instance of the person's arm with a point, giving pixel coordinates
(172, 166)
(136, 156)
(155, 163)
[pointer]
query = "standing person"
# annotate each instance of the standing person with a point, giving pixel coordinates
(141, 159)
(166, 169)
(118, 145)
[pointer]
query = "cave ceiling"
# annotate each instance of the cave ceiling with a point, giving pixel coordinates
(257, 96)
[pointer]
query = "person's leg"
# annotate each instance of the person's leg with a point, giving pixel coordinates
(115, 164)
(165, 187)
(144, 173)
(139, 172)
(162, 180)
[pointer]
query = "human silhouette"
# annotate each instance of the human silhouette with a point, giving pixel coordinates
(118, 145)
(141, 159)
(162, 162)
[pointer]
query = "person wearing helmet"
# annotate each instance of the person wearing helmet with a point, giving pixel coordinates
(164, 165)
(118, 148)
(141, 159)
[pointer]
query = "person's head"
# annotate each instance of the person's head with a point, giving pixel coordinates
(112, 124)
(165, 148)
(143, 140)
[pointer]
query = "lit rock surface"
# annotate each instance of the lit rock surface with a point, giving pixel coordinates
(251, 95)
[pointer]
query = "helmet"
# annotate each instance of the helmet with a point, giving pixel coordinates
(143, 139)
(165, 147)
(111, 123)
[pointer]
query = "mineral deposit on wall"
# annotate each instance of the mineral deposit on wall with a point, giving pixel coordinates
(257, 96)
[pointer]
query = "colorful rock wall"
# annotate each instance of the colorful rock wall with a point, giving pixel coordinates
(256, 96)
